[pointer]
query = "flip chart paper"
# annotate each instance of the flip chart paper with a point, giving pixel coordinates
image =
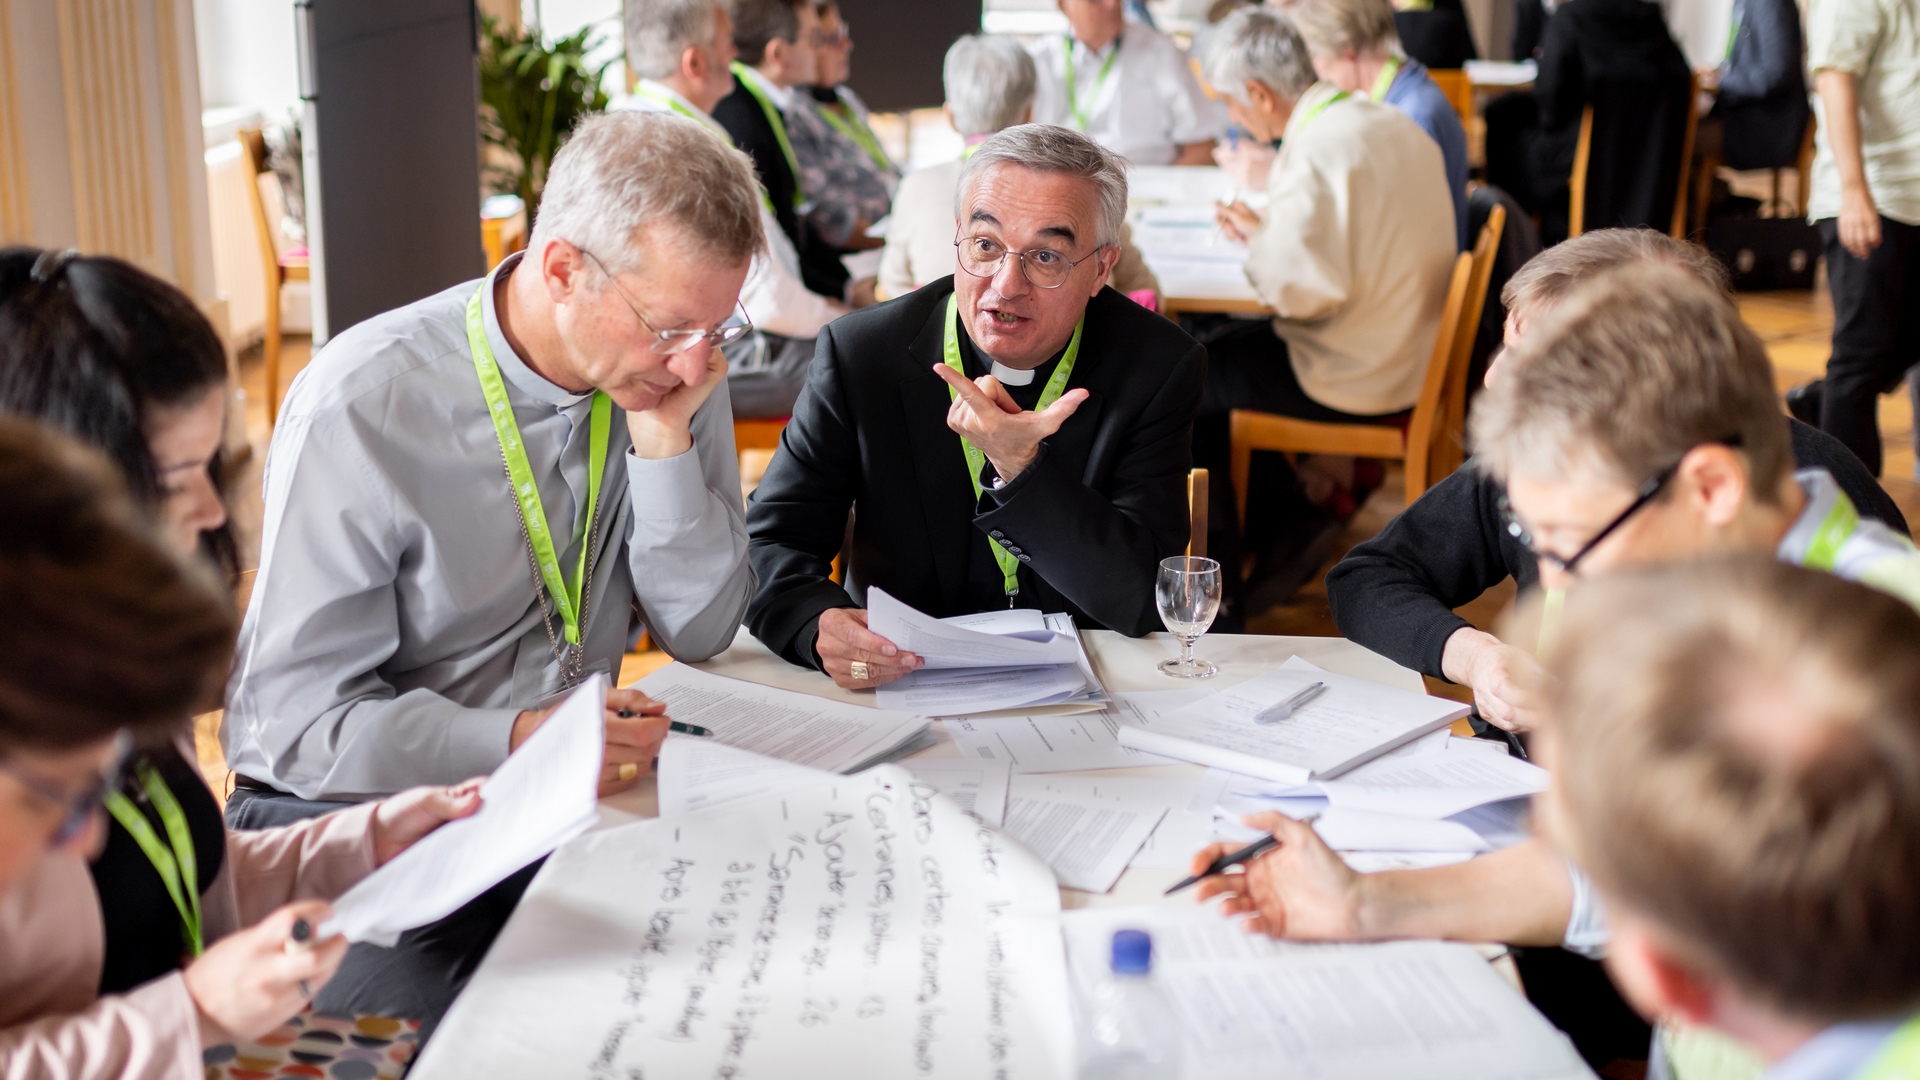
(543, 795)
(852, 929)
(945, 645)
(800, 728)
(978, 787)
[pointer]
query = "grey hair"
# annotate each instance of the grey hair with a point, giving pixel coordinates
(659, 31)
(1332, 28)
(621, 172)
(990, 83)
(1048, 148)
(1261, 44)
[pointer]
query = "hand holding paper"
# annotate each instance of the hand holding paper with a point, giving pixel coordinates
(945, 645)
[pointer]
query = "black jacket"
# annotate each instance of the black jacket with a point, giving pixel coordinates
(1396, 593)
(1090, 519)
(820, 268)
(1437, 37)
(1763, 89)
(1618, 56)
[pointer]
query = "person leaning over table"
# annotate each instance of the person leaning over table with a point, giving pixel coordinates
(1355, 47)
(114, 638)
(1014, 436)
(682, 50)
(989, 83)
(1395, 593)
(1638, 425)
(412, 620)
(843, 167)
(1124, 84)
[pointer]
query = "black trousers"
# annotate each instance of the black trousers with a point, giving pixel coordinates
(418, 978)
(1876, 332)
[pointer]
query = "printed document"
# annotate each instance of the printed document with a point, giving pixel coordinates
(1256, 1008)
(696, 774)
(1086, 834)
(1435, 785)
(978, 787)
(857, 928)
(800, 728)
(546, 793)
(1043, 744)
(948, 645)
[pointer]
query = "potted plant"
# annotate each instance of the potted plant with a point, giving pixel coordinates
(532, 93)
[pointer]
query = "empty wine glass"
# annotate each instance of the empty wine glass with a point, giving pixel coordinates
(1188, 595)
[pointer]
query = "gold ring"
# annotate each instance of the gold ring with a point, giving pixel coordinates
(628, 771)
(858, 669)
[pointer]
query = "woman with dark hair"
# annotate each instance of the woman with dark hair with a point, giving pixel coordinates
(111, 640)
(124, 362)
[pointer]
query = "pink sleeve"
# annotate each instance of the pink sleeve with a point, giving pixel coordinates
(152, 1033)
(316, 859)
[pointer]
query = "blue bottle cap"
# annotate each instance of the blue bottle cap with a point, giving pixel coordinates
(1132, 952)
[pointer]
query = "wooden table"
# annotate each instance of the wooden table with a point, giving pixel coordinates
(1123, 664)
(1188, 286)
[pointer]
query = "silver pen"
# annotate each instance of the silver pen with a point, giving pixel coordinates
(1284, 709)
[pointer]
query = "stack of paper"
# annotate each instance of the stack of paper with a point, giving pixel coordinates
(1255, 1008)
(800, 728)
(1070, 743)
(995, 660)
(1352, 721)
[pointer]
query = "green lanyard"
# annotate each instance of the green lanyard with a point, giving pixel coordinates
(848, 123)
(661, 97)
(1384, 81)
(1080, 119)
(570, 601)
(745, 74)
(1057, 385)
(1899, 1057)
(1834, 532)
(179, 868)
(1318, 108)
(1733, 33)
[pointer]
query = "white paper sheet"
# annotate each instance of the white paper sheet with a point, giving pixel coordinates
(1087, 836)
(1436, 785)
(800, 728)
(1180, 833)
(545, 794)
(697, 774)
(945, 645)
(935, 692)
(978, 787)
(1045, 744)
(1351, 721)
(855, 929)
(1251, 1007)
(1364, 830)
(1188, 232)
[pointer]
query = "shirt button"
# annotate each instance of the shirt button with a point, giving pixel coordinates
(997, 535)
(1013, 549)
(1026, 558)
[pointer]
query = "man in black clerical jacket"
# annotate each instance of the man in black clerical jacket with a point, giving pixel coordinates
(1081, 480)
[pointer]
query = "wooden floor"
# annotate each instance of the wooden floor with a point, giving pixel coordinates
(1795, 326)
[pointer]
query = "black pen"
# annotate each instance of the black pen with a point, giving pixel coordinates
(675, 725)
(1235, 858)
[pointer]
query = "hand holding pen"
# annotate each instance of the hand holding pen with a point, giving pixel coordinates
(1296, 888)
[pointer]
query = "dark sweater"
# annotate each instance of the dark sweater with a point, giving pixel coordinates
(1396, 593)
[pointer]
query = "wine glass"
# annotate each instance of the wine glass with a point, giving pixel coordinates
(1187, 593)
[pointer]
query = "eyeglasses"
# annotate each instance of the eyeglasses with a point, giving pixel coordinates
(1646, 494)
(79, 807)
(674, 342)
(981, 256)
(827, 39)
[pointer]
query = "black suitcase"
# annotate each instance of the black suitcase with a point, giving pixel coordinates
(1765, 253)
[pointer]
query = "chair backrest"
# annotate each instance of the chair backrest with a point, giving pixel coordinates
(253, 147)
(1678, 228)
(1577, 180)
(1630, 161)
(1197, 508)
(1803, 165)
(1436, 443)
(1454, 83)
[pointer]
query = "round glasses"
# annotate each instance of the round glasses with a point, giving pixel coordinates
(1046, 268)
(674, 342)
(77, 807)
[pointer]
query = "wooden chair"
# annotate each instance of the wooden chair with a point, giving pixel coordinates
(1432, 444)
(1197, 513)
(757, 434)
(1454, 83)
(279, 269)
(1583, 155)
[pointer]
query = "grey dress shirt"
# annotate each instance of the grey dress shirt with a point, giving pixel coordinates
(394, 631)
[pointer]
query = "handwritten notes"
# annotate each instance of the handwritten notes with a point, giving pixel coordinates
(864, 926)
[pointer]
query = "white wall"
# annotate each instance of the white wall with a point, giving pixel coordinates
(247, 54)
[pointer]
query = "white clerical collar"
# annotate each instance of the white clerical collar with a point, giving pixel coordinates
(1012, 376)
(512, 367)
(781, 96)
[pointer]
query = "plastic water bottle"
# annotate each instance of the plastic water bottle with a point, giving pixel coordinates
(1128, 1027)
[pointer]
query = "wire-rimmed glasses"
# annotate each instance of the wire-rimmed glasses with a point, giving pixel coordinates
(674, 342)
(1045, 268)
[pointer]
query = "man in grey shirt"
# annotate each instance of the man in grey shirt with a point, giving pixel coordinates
(400, 632)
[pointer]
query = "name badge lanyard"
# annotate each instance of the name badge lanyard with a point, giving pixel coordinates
(672, 104)
(572, 600)
(976, 460)
(1899, 1057)
(779, 124)
(841, 118)
(1319, 107)
(175, 861)
(1384, 82)
(1080, 118)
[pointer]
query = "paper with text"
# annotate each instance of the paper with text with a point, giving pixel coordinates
(947, 645)
(963, 691)
(1037, 744)
(543, 795)
(1252, 1007)
(978, 787)
(854, 929)
(1086, 836)
(696, 774)
(1436, 785)
(817, 732)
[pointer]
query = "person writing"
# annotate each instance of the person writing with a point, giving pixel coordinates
(470, 499)
(1016, 435)
(116, 640)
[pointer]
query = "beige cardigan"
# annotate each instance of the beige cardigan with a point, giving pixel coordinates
(920, 237)
(1356, 251)
(53, 1026)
